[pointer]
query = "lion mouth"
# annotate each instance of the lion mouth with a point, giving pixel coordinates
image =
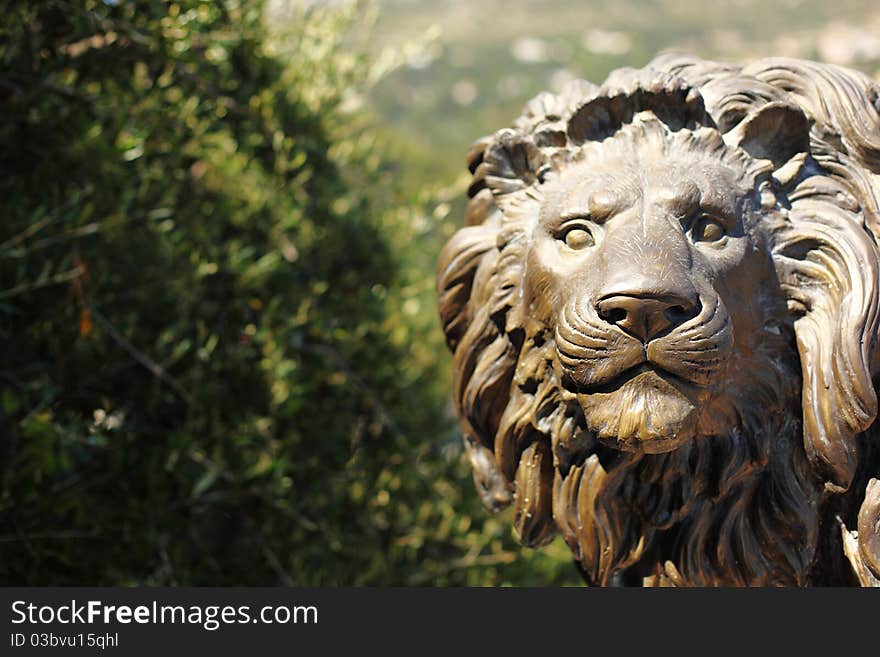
(692, 358)
(644, 370)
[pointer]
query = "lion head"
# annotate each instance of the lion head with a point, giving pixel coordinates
(664, 313)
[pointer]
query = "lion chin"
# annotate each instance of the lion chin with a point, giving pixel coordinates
(647, 414)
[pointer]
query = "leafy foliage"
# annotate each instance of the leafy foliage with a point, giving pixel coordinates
(220, 360)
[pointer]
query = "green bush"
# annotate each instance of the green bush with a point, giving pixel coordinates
(220, 361)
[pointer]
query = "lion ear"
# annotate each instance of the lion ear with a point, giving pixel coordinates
(828, 265)
(775, 131)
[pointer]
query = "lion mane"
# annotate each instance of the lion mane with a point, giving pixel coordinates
(755, 506)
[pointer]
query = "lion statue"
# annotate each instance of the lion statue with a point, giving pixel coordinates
(664, 311)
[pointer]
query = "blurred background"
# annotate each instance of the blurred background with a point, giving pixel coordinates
(219, 357)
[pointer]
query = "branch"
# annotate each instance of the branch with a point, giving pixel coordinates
(63, 277)
(148, 363)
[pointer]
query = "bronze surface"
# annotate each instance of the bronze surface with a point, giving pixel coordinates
(664, 314)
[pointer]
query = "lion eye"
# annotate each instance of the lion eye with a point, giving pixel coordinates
(708, 230)
(578, 237)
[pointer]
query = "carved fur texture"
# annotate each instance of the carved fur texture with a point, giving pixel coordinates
(663, 312)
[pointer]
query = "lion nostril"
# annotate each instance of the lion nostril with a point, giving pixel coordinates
(645, 317)
(619, 311)
(676, 314)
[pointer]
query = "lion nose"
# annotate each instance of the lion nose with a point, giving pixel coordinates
(645, 317)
